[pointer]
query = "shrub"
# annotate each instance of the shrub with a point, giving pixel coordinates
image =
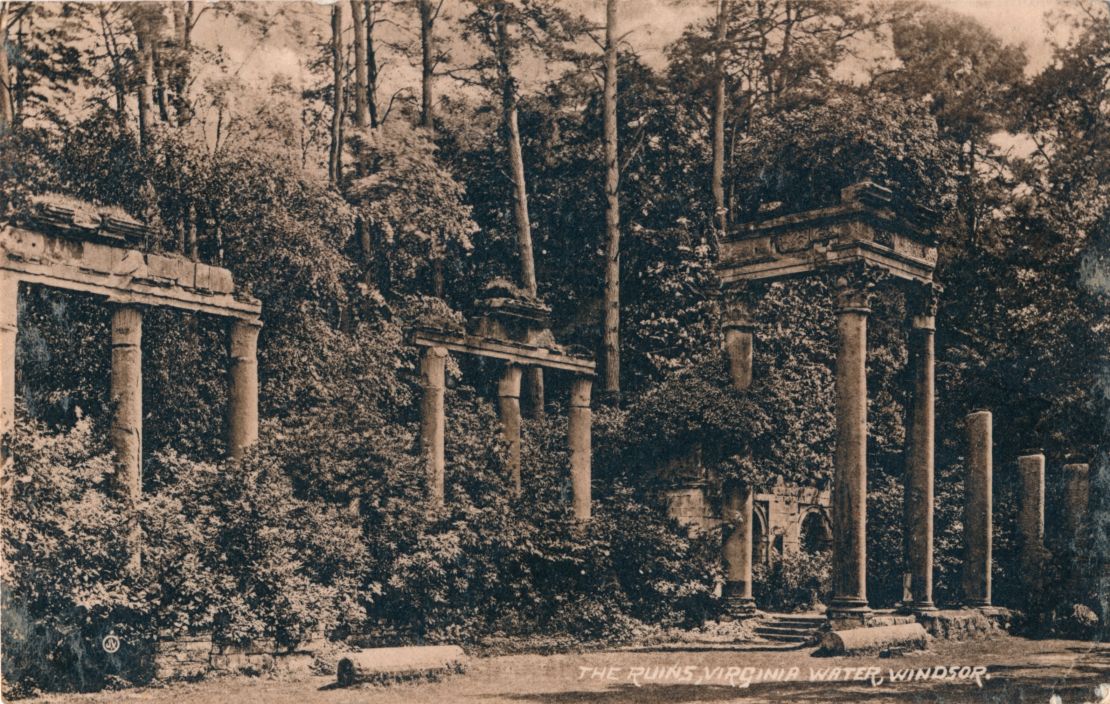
(62, 576)
(796, 581)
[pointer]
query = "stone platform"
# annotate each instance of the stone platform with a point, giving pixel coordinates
(966, 624)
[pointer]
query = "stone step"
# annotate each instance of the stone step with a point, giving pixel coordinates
(795, 624)
(784, 630)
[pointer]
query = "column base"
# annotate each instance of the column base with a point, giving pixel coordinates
(848, 612)
(918, 607)
(977, 604)
(737, 605)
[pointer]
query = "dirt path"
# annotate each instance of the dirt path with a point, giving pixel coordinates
(1016, 670)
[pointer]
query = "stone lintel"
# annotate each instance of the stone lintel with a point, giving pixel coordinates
(123, 276)
(516, 352)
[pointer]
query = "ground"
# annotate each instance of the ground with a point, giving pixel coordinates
(1018, 670)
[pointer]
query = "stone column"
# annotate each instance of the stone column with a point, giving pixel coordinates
(850, 472)
(1077, 495)
(919, 464)
(977, 509)
(433, 420)
(126, 433)
(738, 549)
(9, 322)
(242, 409)
(1031, 518)
(508, 394)
(738, 327)
(578, 435)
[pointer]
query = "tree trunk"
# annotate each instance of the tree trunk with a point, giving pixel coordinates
(111, 48)
(427, 53)
(720, 214)
(335, 166)
(145, 40)
(534, 377)
(7, 113)
(358, 21)
(183, 13)
(371, 65)
(611, 326)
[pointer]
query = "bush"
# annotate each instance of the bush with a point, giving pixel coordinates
(63, 571)
(794, 582)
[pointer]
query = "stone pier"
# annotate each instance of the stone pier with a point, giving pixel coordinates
(977, 509)
(578, 435)
(126, 398)
(919, 467)
(1077, 497)
(508, 396)
(738, 549)
(433, 421)
(9, 322)
(849, 600)
(1031, 519)
(242, 413)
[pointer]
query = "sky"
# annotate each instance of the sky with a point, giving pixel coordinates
(650, 25)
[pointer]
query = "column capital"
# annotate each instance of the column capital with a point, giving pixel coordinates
(854, 287)
(921, 304)
(580, 390)
(508, 386)
(736, 314)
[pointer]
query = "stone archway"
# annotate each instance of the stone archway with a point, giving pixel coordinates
(761, 553)
(816, 532)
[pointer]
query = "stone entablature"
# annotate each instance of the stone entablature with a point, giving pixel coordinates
(121, 275)
(865, 228)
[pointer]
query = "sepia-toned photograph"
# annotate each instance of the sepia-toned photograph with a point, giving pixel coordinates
(555, 351)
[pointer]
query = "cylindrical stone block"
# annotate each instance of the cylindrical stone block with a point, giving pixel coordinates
(578, 435)
(919, 468)
(1077, 495)
(508, 394)
(9, 323)
(126, 433)
(242, 411)
(738, 545)
(1031, 518)
(977, 509)
(850, 471)
(433, 367)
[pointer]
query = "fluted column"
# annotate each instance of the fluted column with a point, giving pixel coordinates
(126, 432)
(738, 549)
(850, 471)
(508, 394)
(433, 421)
(978, 525)
(9, 323)
(578, 436)
(919, 467)
(242, 410)
(738, 328)
(1031, 519)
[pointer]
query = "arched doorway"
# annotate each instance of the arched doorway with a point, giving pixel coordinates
(759, 537)
(816, 533)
